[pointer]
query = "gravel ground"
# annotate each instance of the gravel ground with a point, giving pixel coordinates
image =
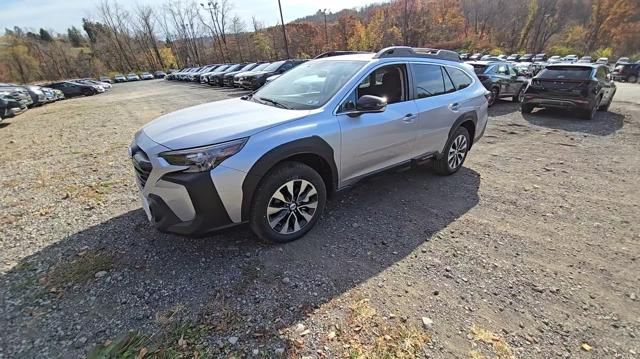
(531, 251)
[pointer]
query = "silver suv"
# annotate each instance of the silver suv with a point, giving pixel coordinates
(272, 158)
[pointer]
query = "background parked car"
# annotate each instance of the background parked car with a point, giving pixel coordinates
(623, 60)
(585, 60)
(526, 58)
(18, 92)
(540, 58)
(501, 79)
(146, 76)
(133, 77)
(71, 89)
(159, 74)
(227, 79)
(513, 57)
(570, 58)
(238, 78)
(38, 96)
(602, 61)
(584, 87)
(119, 78)
(626, 72)
(12, 103)
(555, 59)
(258, 79)
(104, 79)
(216, 79)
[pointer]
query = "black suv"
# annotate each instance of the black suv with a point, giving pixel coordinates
(257, 79)
(626, 72)
(501, 79)
(585, 87)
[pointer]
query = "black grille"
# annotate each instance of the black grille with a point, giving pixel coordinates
(142, 166)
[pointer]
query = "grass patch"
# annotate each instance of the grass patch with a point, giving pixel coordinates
(500, 348)
(80, 269)
(184, 340)
(366, 335)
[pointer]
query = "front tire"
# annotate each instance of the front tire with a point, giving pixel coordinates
(288, 203)
(494, 96)
(455, 153)
(632, 79)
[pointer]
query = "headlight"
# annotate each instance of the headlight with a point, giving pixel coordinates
(204, 158)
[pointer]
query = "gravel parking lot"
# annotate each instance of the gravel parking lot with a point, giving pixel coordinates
(531, 251)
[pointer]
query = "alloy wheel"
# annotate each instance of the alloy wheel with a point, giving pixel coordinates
(493, 97)
(457, 152)
(292, 206)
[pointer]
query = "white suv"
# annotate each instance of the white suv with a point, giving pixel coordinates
(272, 158)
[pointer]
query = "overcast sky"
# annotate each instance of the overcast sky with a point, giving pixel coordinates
(61, 14)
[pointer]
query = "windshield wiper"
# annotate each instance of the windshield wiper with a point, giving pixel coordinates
(273, 102)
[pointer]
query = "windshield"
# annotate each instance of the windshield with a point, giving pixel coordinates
(261, 67)
(273, 66)
(566, 72)
(248, 67)
(309, 85)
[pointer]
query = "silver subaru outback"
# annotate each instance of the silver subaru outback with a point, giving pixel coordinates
(272, 158)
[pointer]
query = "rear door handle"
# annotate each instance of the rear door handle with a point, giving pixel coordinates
(409, 118)
(454, 106)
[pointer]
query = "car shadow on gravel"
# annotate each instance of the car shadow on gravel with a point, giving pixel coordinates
(605, 123)
(123, 275)
(503, 107)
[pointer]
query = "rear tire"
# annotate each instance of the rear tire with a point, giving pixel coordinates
(526, 109)
(455, 153)
(589, 115)
(632, 79)
(288, 203)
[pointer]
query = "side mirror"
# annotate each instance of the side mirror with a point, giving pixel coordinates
(370, 104)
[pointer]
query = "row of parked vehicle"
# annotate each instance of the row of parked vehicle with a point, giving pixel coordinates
(118, 78)
(530, 64)
(249, 76)
(16, 99)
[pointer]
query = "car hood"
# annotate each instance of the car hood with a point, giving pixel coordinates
(216, 122)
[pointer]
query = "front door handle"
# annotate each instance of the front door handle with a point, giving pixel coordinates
(454, 106)
(409, 118)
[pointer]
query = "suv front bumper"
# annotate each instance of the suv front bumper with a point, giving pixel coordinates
(184, 203)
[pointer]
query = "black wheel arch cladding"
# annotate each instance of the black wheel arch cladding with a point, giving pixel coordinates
(313, 145)
(470, 116)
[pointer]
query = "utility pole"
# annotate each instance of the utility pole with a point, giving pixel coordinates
(326, 31)
(284, 31)
(405, 24)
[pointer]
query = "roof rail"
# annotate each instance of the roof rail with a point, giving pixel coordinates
(406, 51)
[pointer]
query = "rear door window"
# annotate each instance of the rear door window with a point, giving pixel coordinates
(459, 78)
(428, 80)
